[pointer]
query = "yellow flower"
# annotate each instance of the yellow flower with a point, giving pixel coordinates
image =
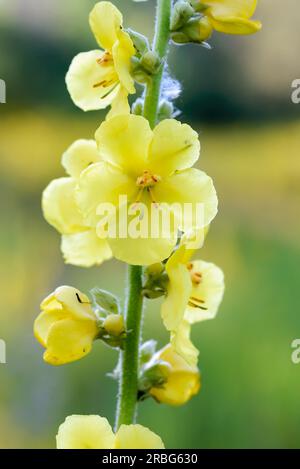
(153, 167)
(66, 326)
(94, 432)
(230, 16)
(80, 245)
(183, 381)
(194, 293)
(99, 78)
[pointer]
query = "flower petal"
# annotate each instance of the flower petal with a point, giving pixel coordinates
(105, 22)
(101, 183)
(91, 85)
(192, 187)
(141, 236)
(69, 340)
(210, 291)
(79, 156)
(242, 8)
(120, 104)
(122, 52)
(179, 290)
(174, 147)
(181, 341)
(76, 303)
(137, 437)
(44, 322)
(60, 208)
(183, 381)
(85, 432)
(123, 141)
(235, 25)
(85, 249)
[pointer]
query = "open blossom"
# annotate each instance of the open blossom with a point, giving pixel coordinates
(66, 326)
(183, 380)
(228, 16)
(151, 169)
(99, 78)
(80, 245)
(194, 293)
(95, 432)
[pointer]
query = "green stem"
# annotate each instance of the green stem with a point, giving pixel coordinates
(160, 45)
(129, 357)
(128, 386)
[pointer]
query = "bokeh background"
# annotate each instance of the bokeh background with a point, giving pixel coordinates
(238, 96)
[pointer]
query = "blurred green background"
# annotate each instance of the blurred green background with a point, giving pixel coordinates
(238, 96)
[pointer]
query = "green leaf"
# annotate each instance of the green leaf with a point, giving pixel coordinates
(105, 300)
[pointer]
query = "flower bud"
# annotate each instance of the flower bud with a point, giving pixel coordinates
(181, 13)
(113, 324)
(137, 107)
(166, 110)
(150, 62)
(183, 380)
(196, 30)
(147, 350)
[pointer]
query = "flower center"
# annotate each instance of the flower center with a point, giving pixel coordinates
(147, 181)
(106, 61)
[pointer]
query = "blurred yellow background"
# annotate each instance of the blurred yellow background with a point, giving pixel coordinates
(238, 96)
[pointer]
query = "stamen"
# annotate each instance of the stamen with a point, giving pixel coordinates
(150, 191)
(196, 277)
(193, 305)
(197, 300)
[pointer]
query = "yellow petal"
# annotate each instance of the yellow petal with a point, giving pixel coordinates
(105, 22)
(101, 183)
(183, 381)
(59, 206)
(141, 251)
(235, 25)
(134, 241)
(122, 52)
(179, 290)
(242, 8)
(137, 437)
(85, 432)
(192, 187)
(44, 322)
(79, 156)
(91, 85)
(76, 303)
(123, 141)
(209, 291)
(85, 249)
(181, 341)
(69, 340)
(174, 147)
(120, 104)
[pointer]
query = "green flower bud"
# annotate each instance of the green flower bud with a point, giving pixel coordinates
(181, 13)
(154, 374)
(196, 30)
(137, 107)
(166, 110)
(140, 42)
(147, 350)
(150, 62)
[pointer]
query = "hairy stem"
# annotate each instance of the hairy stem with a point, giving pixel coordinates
(160, 45)
(128, 386)
(129, 357)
